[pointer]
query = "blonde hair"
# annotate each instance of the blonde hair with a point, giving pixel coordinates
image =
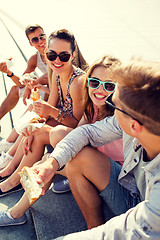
(107, 62)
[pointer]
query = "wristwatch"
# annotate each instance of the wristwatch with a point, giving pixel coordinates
(10, 75)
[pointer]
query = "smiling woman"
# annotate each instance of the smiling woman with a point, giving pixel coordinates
(98, 87)
(65, 105)
(60, 54)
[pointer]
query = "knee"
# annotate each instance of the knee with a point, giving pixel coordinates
(76, 165)
(14, 91)
(56, 135)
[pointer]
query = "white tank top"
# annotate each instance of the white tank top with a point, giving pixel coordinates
(40, 64)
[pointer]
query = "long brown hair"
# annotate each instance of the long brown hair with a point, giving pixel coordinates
(108, 62)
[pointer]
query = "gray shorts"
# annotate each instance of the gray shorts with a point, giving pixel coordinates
(115, 196)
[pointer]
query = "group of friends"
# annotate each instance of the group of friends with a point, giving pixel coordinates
(103, 123)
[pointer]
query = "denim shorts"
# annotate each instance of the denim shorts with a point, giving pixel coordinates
(115, 196)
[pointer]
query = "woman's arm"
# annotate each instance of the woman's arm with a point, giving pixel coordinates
(76, 93)
(50, 108)
(82, 121)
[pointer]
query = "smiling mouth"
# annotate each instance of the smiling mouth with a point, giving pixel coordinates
(99, 96)
(57, 65)
(42, 45)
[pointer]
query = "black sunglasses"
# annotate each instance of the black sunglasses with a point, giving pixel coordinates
(112, 107)
(63, 56)
(95, 83)
(36, 39)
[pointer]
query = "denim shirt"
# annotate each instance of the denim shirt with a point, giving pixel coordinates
(140, 222)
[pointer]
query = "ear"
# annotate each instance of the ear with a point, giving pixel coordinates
(135, 127)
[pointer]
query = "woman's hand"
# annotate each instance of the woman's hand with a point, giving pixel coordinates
(35, 84)
(42, 108)
(28, 144)
(28, 131)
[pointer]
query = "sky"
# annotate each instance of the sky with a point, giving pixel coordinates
(123, 28)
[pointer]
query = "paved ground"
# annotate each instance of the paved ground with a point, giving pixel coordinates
(123, 28)
(26, 231)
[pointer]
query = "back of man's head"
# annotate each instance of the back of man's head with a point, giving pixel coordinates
(139, 91)
(31, 28)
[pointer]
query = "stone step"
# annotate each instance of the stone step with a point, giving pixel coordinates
(56, 215)
(26, 231)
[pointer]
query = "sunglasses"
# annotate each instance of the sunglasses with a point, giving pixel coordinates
(95, 83)
(63, 56)
(112, 107)
(36, 39)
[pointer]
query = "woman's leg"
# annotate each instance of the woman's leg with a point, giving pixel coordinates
(13, 136)
(23, 205)
(38, 145)
(9, 169)
(14, 148)
(56, 135)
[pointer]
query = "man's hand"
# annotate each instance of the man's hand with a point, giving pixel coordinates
(46, 169)
(26, 95)
(30, 83)
(3, 68)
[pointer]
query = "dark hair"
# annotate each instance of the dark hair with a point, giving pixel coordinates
(65, 35)
(31, 28)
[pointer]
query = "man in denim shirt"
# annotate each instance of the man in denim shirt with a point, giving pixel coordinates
(132, 191)
(138, 96)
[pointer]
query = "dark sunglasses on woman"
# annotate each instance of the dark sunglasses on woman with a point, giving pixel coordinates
(36, 39)
(63, 56)
(95, 83)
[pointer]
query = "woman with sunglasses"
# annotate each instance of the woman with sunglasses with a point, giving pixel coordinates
(97, 88)
(65, 105)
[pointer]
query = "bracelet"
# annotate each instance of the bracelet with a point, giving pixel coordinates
(59, 115)
(64, 115)
(10, 75)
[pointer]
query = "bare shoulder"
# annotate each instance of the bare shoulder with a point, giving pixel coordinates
(79, 81)
(77, 86)
(33, 60)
